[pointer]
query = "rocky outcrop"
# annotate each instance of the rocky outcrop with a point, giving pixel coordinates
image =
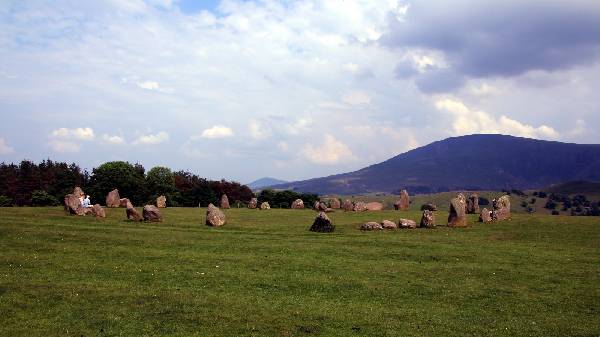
(473, 204)
(113, 199)
(298, 204)
(374, 206)
(161, 202)
(224, 202)
(151, 213)
(427, 219)
(457, 216)
(322, 224)
(404, 202)
(371, 226)
(215, 217)
(253, 203)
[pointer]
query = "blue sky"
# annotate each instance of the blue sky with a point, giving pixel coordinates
(290, 89)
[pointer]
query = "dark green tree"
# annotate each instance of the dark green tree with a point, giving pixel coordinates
(129, 179)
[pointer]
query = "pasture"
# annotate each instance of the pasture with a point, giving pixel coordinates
(265, 274)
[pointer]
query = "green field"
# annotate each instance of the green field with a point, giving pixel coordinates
(265, 274)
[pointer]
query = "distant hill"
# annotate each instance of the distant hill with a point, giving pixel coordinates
(475, 162)
(575, 187)
(265, 182)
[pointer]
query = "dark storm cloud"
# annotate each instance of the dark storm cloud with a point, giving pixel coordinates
(501, 38)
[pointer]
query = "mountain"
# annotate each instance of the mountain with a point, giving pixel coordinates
(475, 162)
(265, 182)
(575, 187)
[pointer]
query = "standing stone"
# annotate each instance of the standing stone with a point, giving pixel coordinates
(98, 211)
(485, 216)
(224, 202)
(133, 214)
(151, 213)
(320, 206)
(404, 202)
(215, 217)
(265, 205)
(501, 208)
(113, 199)
(83, 211)
(161, 202)
(406, 223)
(371, 226)
(347, 205)
(78, 192)
(334, 203)
(124, 202)
(360, 206)
(298, 204)
(473, 204)
(457, 216)
(387, 224)
(322, 224)
(374, 206)
(428, 219)
(72, 203)
(253, 203)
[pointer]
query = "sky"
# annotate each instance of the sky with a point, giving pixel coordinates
(289, 89)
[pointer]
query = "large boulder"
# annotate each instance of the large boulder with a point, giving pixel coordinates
(320, 206)
(98, 211)
(72, 203)
(253, 203)
(78, 192)
(298, 204)
(334, 203)
(113, 199)
(404, 202)
(359, 206)
(125, 203)
(151, 213)
(347, 205)
(215, 217)
(265, 205)
(322, 224)
(501, 208)
(161, 202)
(429, 207)
(473, 204)
(133, 214)
(84, 210)
(387, 224)
(224, 202)
(406, 224)
(371, 226)
(374, 206)
(485, 216)
(427, 219)
(457, 216)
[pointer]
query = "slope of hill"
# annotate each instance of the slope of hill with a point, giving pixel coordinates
(475, 162)
(575, 187)
(264, 182)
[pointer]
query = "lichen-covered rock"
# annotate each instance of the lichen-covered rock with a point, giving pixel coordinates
(113, 199)
(133, 214)
(215, 217)
(161, 202)
(406, 224)
(457, 216)
(427, 219)
(404, 202)
(224, 202)
(347, 205)
(98, 211)
(387, 224)
(253, 203)
(473, 204)
(501, 208)
(359, 206)
(265, 205)
(151, 213)
(322, 224)
(374, 206)
(371, 226)
(298, 204)
(485, 216)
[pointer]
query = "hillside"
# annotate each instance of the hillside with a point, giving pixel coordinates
(575, 187)
(475, 162)
(264, 182)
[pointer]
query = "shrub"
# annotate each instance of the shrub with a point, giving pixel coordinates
(532, 201)
(550, 205)
(542, 194)
(5, 201)
(42, 198)
(524, 204)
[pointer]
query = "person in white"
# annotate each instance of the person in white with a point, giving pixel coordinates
(86, 201)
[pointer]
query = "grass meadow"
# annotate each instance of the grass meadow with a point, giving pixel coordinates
(265, 274)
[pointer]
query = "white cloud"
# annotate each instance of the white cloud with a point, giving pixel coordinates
(152, 139)
(257, 130)
(330, 152)
(468, 121)
(356, 98)
(115, 140)
(217, 131)
(64, 146)
(149, 85)
(283, 146)
(74, 134)
(4, 148)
